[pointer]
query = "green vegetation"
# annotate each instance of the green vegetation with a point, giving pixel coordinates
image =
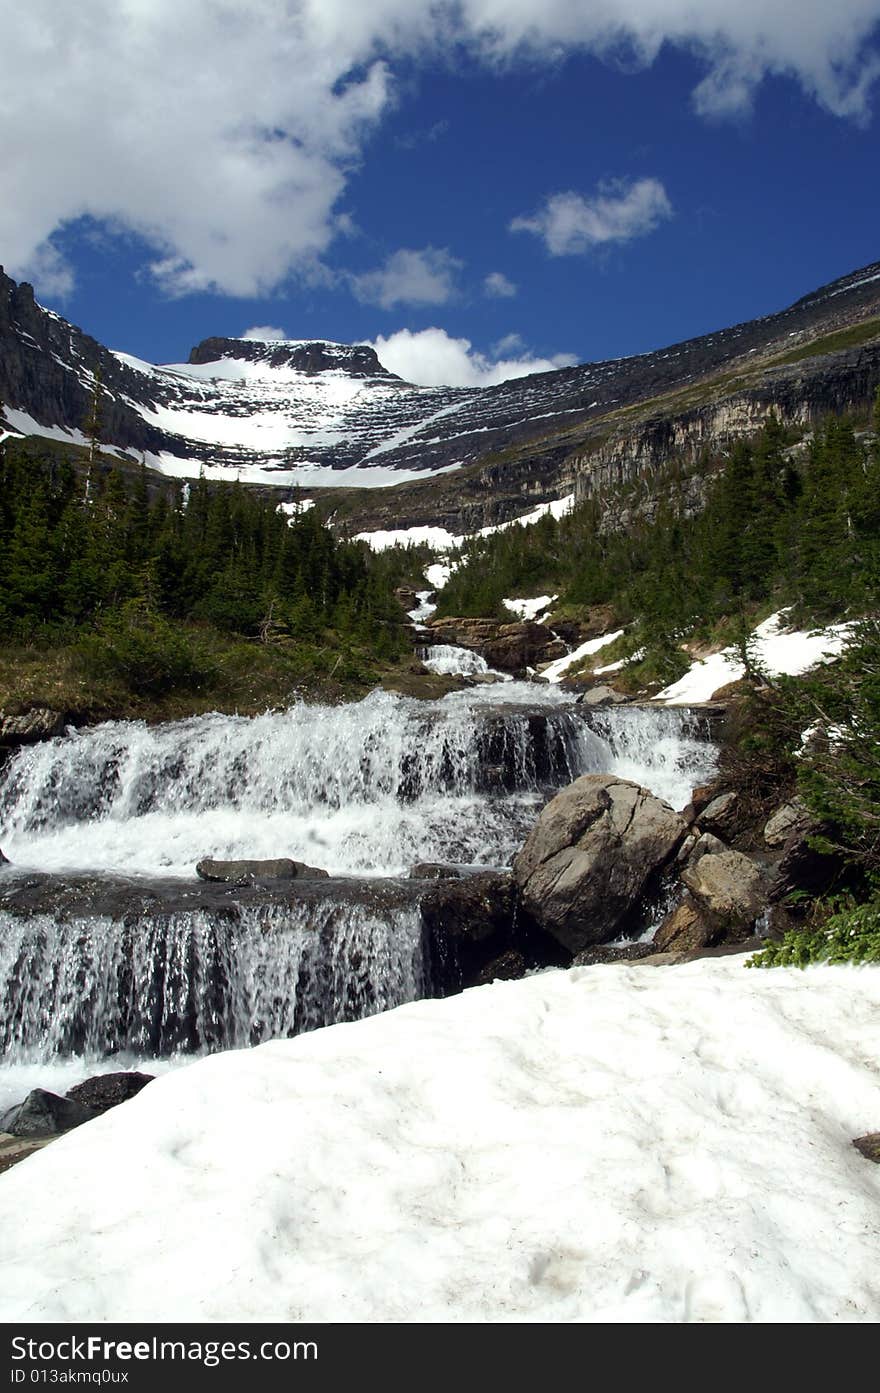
(833, 343)
(180, 590)
(781, 525)
(852, 935)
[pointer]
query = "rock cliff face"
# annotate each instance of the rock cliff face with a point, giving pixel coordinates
(47, 372)
(274, 412)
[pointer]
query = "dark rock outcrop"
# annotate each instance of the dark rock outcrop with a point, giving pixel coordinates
(106, 1091)
(44, 1114)
(590, 856)
(475, 932)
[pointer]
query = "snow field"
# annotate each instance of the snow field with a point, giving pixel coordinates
(628, 1144)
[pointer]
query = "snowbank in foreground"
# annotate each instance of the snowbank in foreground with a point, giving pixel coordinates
(627, 1144)
(778, 650)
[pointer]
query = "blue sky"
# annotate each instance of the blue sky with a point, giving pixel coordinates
(534, 183)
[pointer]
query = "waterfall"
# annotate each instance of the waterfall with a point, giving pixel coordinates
(453, 661)
(366, 788)
(666, 750)
(151, 968)
(198, 980)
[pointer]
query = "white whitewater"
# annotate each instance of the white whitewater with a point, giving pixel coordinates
(365, 788)
(196, 980)
(449, 659)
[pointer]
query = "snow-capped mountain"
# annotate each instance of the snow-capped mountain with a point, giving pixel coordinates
(317, 412)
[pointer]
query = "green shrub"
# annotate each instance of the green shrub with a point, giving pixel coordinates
(145, 652)
(850, 936)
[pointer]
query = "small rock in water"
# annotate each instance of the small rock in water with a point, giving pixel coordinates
(603, 695)
(244, 872)
(44, 1114)
(108, 1090)
(434, 870)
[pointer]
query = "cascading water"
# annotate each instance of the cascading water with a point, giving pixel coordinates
(106, 993)
(448, 659)
(194, 980)
(363, 789)
(366, 788)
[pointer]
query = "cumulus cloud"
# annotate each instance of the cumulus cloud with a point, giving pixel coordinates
(223, 134)
(408, 277)
(432, 358)
(569, 223)
(265, 333)
(498, 287)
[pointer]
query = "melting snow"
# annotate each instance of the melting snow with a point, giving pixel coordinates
(530, 609)
(555, 671)
(778, 650)
(627, 1144)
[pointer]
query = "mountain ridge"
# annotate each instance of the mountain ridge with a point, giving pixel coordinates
(312, 412)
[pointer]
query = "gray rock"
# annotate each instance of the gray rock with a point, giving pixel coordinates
(729, 885)
(236, 872)
(721, 815)
(40, 723)
(706, 845)
(44, 1114)
(791, 817)
(603, 695)
(590, 855)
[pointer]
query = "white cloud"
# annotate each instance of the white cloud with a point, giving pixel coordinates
(498, 287)
(569, 223)
(265, 333)
(223, 134)
(425, 277)
(432, 358)
(511, 343)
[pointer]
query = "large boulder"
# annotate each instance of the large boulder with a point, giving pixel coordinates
(588, 859)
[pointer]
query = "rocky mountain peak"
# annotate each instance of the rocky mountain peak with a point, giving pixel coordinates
(308, 357)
